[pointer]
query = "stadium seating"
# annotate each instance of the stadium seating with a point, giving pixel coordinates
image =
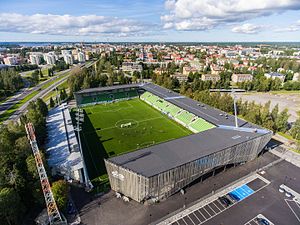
(200, 125)
(120, 95)
(172, 109)
(193, 122)
(132, 94)
(107, 97)
(87, 100)
(185, 117)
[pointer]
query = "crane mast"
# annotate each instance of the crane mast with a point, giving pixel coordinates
(54, 216)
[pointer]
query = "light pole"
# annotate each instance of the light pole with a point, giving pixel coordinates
(235, 110)
(57, 96)
(286, 180)
(79, 119)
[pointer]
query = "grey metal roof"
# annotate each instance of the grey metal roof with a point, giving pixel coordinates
(108, 88)
(165, 156)
(210, 114)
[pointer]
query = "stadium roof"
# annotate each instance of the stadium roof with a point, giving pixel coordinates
(165, 156)
(210, 114)
(108, 88)
(62, 139)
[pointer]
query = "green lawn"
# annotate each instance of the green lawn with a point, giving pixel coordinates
(103, 137)
(16, 106)
(52, 93)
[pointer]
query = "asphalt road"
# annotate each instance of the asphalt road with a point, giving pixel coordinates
(27, 91)
(22, 94)
(41, 94)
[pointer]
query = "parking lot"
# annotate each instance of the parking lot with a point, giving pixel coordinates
(258, 220)
(266, 200)
(220, 204)
(276, 207)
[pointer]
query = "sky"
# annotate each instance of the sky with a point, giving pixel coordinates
(150, 20)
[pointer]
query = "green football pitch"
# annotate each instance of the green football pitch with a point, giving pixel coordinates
(115, 128)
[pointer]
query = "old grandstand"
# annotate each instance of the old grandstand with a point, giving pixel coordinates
(184, 139)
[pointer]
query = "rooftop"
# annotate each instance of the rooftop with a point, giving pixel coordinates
(108, 88)
(61, 147)
(165, 156)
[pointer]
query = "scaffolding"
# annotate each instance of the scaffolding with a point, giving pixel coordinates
(55, 218)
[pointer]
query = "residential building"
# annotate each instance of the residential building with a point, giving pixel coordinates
(274, 75)
(68, 58)
(131, 67)
(66, 52)
(35, 59)
(50, 58)
(238, 78)
(11, 60)
(160, 70)
(216, 69)
(296, 77)
(212, 77)
(180, 77)
(81, 57)
(187, 69)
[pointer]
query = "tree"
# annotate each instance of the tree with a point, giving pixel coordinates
(35, 77)
(282, 121)
(60, 191)
(52, 103)
(41, 73)
(11, 207)
(42, 107)
(10, 82)
(295, 130)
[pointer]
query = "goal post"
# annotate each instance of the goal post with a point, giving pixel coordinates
(125, 125)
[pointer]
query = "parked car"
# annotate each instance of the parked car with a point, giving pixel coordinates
(225, 201)
(234, 197)
(262, 221)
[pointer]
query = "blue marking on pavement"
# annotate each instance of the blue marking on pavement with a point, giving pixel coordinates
(242, 192)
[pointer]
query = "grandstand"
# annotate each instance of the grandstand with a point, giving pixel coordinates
(200, 125)
(185, 118)
(109, 95)
(157, 169)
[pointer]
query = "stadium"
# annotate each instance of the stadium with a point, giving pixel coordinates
(153, 142)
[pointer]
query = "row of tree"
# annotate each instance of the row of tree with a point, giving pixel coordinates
(60, 66)
(264, 84)
(254, 113)
(99, 76)
(20, 188)
(25, 67)
(10, 82)
(274, 64)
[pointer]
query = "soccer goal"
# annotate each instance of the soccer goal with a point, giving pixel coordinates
(126, 125)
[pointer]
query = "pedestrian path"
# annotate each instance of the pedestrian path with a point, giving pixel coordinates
(288, 155)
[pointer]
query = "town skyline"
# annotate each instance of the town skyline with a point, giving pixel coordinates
(155, 21)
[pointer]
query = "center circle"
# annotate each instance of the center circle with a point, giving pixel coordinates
(127, 124)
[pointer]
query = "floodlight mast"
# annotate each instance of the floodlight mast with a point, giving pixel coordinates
(55, 218)
(235, 109)
(80, 118)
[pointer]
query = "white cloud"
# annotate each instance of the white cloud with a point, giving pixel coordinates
(247, 28)
(291, 28)
(67, 24)
(207, 14)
